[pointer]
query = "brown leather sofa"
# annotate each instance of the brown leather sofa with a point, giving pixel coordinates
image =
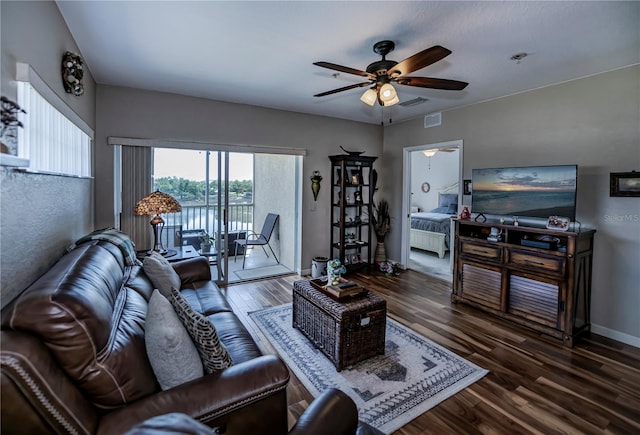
(73, 357)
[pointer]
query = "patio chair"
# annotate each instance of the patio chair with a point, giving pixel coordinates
(259, 239)
(172, 236)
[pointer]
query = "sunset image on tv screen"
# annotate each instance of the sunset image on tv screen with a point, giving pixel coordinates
(537, 191)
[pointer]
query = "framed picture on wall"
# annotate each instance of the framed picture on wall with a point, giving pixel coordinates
(467, 187)
(624, 184)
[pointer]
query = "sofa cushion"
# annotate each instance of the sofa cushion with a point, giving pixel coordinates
(172, 353)
(206, 298)
(93, 324)
(214, 355)
(235, 337)
(161, 274)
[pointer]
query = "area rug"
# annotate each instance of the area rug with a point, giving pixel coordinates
(413, 375)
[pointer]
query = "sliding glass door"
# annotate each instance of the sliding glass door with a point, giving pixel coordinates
(218, 205)
(225, 196)
(198, 180)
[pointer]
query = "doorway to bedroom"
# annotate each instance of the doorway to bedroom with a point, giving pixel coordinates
(431, 195)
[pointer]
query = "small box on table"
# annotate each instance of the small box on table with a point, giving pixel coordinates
(347, 331)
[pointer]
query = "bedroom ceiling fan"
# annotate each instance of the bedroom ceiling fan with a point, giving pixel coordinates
(432, 152)
(382, 73)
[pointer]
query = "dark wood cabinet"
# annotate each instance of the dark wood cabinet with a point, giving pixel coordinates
(535, 277)
(352, 181)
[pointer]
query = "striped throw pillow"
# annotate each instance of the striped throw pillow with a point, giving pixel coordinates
(214, 355)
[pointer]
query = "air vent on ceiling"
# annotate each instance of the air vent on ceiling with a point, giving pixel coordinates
(413, 102)
(432, 120)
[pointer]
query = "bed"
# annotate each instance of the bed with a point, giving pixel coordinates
(431, 230)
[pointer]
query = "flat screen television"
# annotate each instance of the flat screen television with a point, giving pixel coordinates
(533, 191)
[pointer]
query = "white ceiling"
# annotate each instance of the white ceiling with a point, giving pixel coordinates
(262, 52)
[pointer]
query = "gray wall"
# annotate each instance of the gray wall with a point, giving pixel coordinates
(40, 214)
(136, 113)
(592, 122)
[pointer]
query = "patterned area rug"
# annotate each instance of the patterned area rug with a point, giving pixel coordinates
(413, 375)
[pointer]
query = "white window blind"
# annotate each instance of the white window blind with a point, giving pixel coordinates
(50, 140)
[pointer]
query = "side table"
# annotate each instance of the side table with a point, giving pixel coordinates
(181, 253)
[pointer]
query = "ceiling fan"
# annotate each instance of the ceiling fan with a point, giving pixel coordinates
(382, 73)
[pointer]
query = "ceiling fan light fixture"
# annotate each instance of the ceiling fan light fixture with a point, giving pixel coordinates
(429, 153)
(393, 101)
(387, 94)
(369, 97)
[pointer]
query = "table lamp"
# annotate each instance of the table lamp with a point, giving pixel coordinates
(153, 205)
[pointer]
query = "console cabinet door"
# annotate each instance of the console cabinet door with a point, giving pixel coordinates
(480, 284)
(535, 299)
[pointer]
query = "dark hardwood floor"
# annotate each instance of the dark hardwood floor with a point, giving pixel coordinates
(535, 385)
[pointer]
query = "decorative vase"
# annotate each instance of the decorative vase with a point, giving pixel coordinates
(315, 184)
(381, 253)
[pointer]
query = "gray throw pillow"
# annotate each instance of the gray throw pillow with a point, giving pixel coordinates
(214, 355)
(162, 275)
(172, 354)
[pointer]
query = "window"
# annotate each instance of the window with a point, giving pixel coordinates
(51, 141)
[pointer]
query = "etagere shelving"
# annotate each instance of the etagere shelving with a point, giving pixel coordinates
(352, 191)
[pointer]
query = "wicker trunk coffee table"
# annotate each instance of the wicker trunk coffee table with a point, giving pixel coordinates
(347, 331)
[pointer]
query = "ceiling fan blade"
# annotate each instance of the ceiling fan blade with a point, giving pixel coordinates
(433, 83)
(346, 88)
(420, 60)
(345, 69)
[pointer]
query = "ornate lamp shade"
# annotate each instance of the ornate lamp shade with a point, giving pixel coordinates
(155, 204)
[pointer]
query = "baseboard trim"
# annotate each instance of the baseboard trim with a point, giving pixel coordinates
(616, 335)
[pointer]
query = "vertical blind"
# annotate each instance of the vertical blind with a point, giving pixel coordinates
(50, 141)
(137, 182)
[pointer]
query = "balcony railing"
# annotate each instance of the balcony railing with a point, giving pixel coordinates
(239, 217)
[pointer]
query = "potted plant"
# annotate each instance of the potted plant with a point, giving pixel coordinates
(206, 242)
(381, 221)
(350, 237)
(9, 112)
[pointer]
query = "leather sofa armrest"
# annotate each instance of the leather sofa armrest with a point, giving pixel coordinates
(332, 412)
(208, 399)
(37, 396)
(193, 270)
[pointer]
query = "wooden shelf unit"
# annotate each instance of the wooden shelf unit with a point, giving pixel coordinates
(535, 277)
(351, 209)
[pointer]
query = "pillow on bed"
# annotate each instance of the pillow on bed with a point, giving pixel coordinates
(445, 199)
(443, 210)
(452, 209)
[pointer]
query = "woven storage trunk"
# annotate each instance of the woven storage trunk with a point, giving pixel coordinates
(347, 331)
